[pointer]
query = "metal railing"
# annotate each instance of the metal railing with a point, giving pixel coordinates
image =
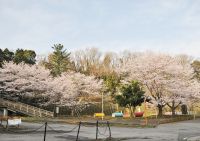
(25, 108)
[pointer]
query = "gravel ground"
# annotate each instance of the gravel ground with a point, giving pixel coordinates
(180, 131)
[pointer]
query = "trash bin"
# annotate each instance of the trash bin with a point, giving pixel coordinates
(184, 109)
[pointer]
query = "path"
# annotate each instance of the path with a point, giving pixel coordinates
(164, 132)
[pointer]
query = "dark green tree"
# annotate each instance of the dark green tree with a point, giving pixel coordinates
(29, 56)
(59, 61)
(26, 56)
(1, 57)
(131, 96)
(8, 55)
(5, 55)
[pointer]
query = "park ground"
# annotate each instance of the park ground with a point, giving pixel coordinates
(177, 131)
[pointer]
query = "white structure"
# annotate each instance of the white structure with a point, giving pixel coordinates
(3, 111)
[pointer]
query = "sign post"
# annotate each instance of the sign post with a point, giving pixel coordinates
(57, 111)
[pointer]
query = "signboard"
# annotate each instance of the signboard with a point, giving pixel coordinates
(57, 110)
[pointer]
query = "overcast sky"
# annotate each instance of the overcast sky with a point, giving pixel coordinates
(171, 26)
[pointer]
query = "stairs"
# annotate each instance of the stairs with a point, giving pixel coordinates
(25, 109)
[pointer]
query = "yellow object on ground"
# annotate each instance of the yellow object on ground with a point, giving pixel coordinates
(99, 115)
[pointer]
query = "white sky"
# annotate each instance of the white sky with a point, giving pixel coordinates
(170, 26)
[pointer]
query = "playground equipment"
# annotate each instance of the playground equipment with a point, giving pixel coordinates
(126, 113)
(99, 115)
(138, 114)
(117, 114)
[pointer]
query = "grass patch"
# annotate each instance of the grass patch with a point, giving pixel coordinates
(119, 122)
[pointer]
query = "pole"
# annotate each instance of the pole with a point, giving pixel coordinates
(7, 123)
(102, 108)
(78, 131)
(145, 111)
(45, 131)
(97, 130)
(109, 129)
(156, 113)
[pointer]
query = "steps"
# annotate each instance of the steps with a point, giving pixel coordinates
(25, 108)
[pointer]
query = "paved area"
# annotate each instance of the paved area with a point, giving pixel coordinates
(180, 131)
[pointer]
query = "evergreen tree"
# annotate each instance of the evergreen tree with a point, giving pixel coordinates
(5, 55)
(58, 61)
(8, 55)
(1, 58)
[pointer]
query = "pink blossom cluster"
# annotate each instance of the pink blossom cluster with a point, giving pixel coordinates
(165, 77)
(23, 79)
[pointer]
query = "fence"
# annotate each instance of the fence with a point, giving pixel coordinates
(90, 109)
(45, 129)
(98, 125)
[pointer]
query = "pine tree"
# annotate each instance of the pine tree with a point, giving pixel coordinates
(59, 61)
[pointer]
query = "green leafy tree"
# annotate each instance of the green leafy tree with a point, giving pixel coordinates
(111, 82)
(131, 96)
(26, 56)
(59, 61)
(5, 55)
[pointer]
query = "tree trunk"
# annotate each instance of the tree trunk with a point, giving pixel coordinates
(72, 112)
(160, 110)
(173, 107)
(132, 110)
(173, 111)
(117, 107)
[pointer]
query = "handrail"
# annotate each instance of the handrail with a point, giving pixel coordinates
(22, 104)
(31, 110)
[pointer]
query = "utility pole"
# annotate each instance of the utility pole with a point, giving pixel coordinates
(145, 112)
(102, 108)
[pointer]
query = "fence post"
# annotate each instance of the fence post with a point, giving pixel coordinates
(97, 130)
(78, 130)
(45, 131)
(108, 124)
(7, 123)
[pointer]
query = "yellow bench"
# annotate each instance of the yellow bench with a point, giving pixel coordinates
(99, 115)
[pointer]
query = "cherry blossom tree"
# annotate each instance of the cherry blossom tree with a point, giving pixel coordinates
(168, 79)
(35, 81)
(181, 85)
